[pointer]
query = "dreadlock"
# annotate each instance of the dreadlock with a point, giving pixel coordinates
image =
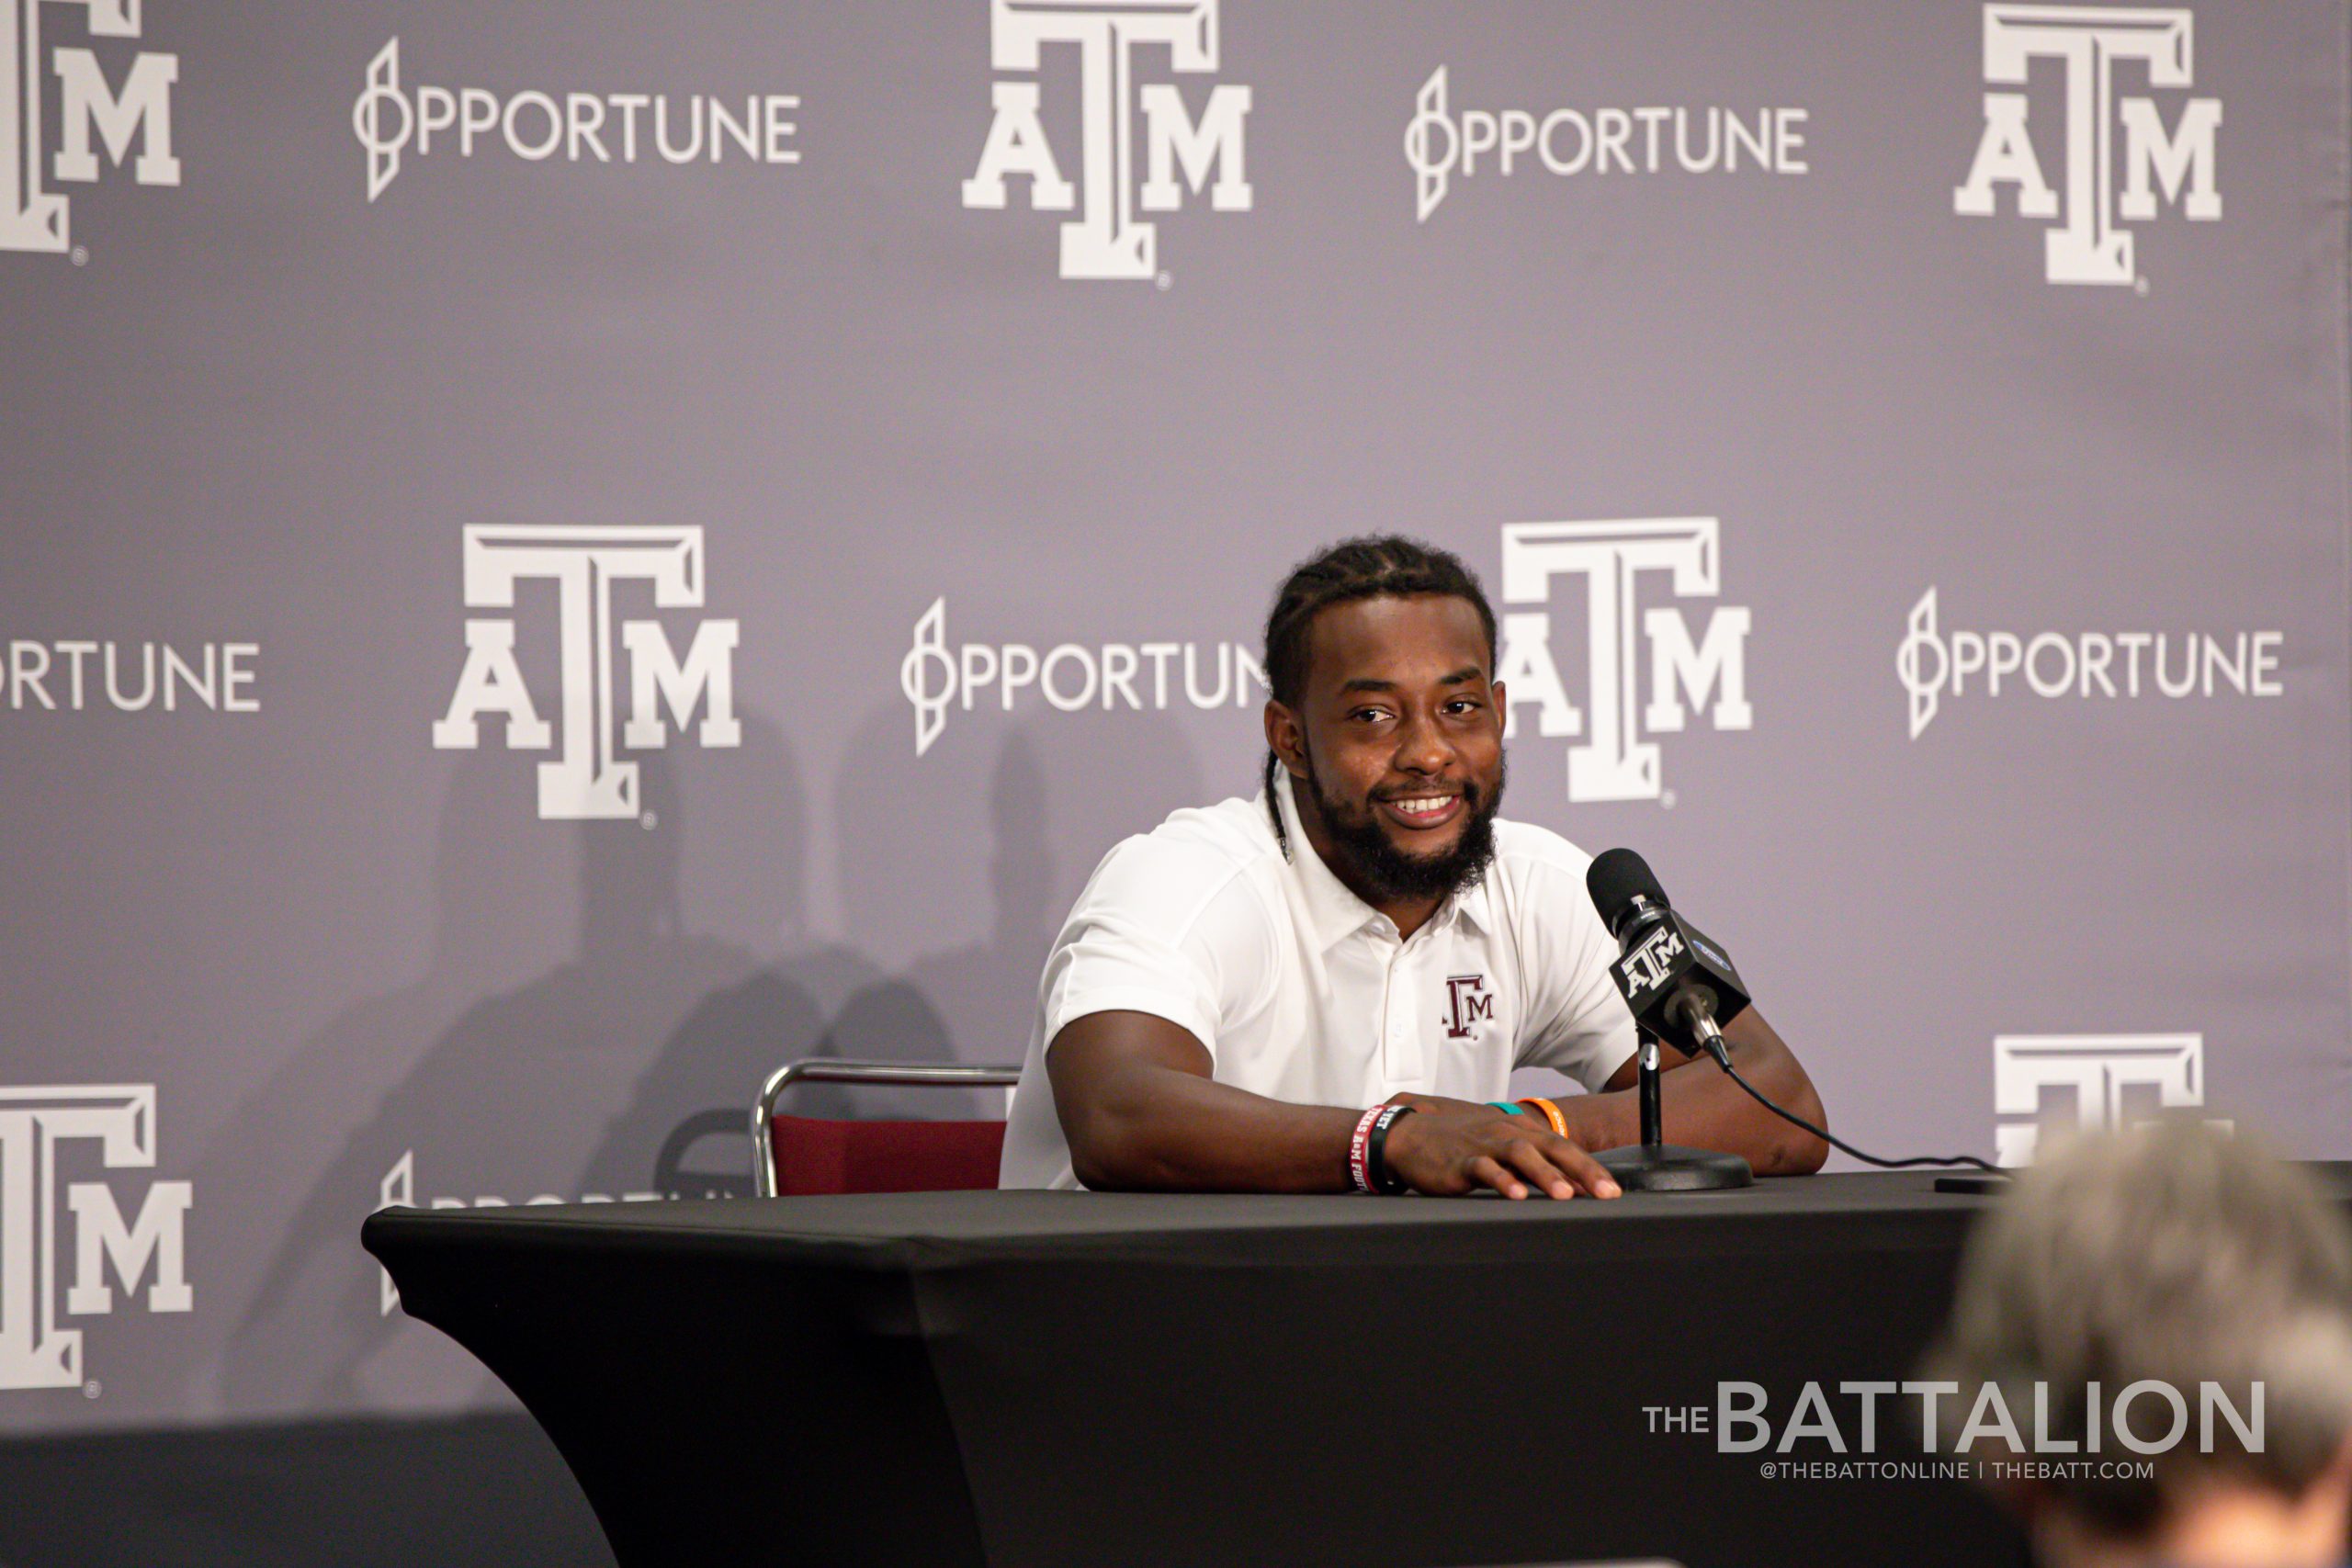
(1371, 566)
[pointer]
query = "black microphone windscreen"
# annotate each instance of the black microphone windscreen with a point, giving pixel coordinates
(1615, 879)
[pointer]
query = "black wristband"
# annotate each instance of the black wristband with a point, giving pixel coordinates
(1384, 1181)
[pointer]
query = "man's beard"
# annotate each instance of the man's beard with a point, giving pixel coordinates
(1370, 860)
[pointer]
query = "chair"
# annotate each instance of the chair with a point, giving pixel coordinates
(801, 1155)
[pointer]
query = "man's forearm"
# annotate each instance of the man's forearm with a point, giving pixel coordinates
(1156, 1129)
(1704, 1109)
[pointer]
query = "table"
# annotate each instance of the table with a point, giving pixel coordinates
(1037, 1380)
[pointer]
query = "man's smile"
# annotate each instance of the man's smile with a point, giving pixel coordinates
(1424, 811)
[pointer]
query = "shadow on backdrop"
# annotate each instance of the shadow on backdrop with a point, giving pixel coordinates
(654, 1031)
(642, 1027)
(493, 891)
(974, 826)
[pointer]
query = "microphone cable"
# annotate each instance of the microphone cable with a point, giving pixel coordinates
(1723, 1061)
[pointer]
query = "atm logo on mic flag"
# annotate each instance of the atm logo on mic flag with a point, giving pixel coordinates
(1651, 964)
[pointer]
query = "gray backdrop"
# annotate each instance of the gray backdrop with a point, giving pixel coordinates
(2015, 340)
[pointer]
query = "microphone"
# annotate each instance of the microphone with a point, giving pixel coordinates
(1678, 982)
(1682, 988)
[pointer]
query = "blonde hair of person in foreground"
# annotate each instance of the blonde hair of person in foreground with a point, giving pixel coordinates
(2183, 1254)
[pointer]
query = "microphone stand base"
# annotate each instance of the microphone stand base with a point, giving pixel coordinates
(1670, 1168)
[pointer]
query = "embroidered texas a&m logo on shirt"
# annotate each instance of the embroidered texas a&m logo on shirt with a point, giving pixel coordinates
(1467, 1003)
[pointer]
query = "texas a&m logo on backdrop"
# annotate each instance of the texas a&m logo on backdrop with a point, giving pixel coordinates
(587, 778)
(2096, 1082)
(1622, 564)
(124, 101)
(38, 1126)
(2163, 164)
(1180, 151)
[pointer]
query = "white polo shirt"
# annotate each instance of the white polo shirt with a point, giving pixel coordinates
(1303, 992)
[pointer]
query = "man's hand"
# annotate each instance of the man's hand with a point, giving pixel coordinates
(1451, 1147)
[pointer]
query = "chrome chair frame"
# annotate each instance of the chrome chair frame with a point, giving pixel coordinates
(822, 1069)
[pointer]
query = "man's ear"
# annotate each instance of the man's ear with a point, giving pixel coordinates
(1502, 707)
(1287, 738)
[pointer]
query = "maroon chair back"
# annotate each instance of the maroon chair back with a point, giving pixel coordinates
(817, 1156)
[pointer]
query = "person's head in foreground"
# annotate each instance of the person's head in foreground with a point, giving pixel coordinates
(2180, 1253)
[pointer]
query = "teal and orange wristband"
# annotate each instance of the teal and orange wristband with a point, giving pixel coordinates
(1551, 1113)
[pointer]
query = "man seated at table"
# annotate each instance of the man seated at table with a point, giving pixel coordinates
(2173, 1255)
(1239, 992)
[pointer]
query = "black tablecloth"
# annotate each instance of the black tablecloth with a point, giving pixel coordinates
(1046, 1379)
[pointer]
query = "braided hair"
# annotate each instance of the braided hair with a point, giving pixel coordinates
(1371, 566)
